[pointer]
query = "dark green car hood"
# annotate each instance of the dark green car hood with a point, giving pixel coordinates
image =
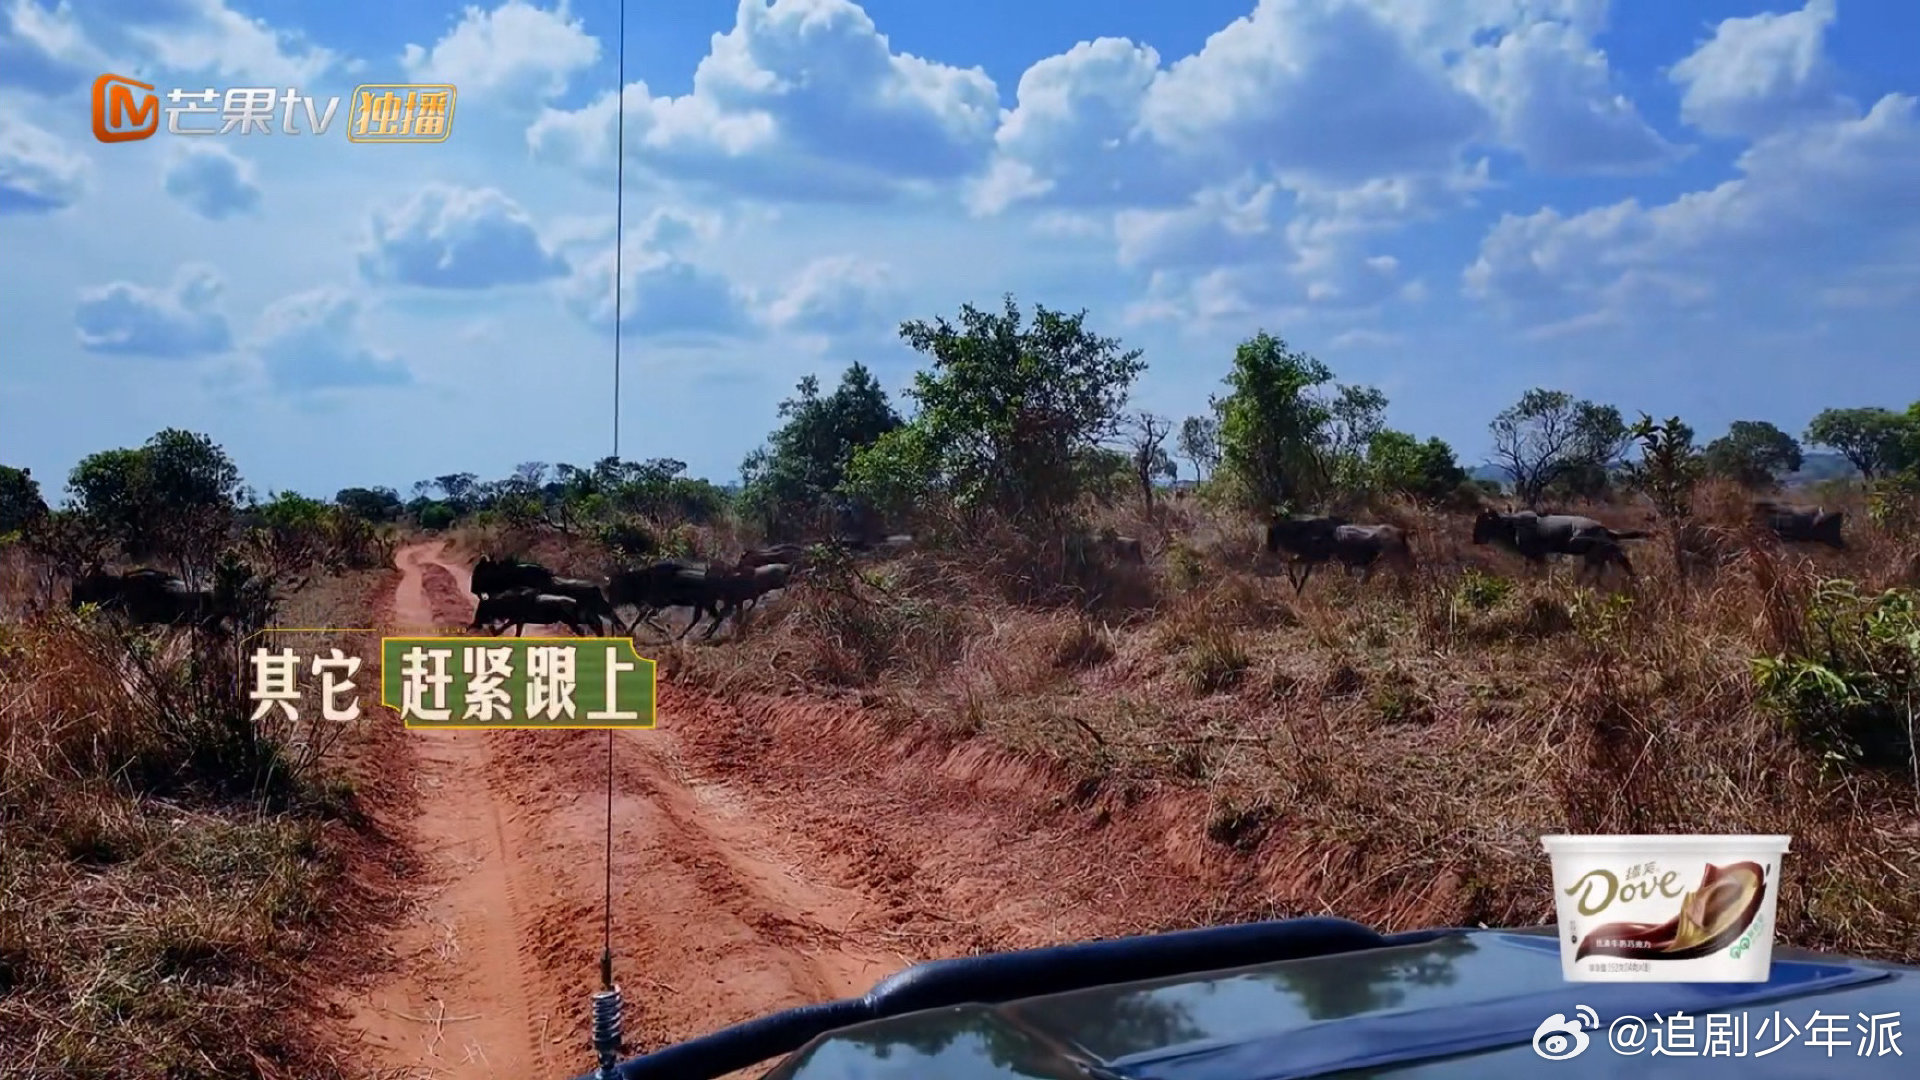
(1464, 1003)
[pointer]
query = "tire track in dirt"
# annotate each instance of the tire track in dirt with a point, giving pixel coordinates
(459, 1004)
(719, 914)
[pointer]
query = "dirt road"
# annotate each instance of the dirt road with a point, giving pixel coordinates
(719, 912)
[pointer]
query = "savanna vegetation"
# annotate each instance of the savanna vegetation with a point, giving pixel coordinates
(169, 861)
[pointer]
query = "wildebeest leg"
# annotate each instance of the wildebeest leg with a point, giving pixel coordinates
(1300, 581)
(720, 613)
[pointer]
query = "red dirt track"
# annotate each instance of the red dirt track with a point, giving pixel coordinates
(766, 854)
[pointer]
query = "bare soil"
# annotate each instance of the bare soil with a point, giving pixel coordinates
(765, 855)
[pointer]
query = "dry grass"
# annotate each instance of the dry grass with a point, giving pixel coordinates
(167, 867)
(1389, 753)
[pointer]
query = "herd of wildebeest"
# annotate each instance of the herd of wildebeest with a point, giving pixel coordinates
(1311, 541)
(516, 592)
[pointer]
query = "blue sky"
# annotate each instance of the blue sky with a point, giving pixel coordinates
(1710, 209)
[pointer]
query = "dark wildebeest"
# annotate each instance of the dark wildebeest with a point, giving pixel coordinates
(1534, 536)
(592, 600)
(788, 554)
(492, 575)
(1803, 524)
(518, 607)
(672, 583)
(742, 589)
(148, 597)
(1315, 540)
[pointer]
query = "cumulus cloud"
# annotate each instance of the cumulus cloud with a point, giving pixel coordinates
(177, 321)
(207, 36)
(1811, 201)
(1320, 94)
(516, 52)
(662, 295)
(447, 237)
(1551, 92)
(57, 48)
(44, 49)
(1757, 73)
(211, 180)
(39, 171)
(801, 98)
(313, 341)
(836, 294)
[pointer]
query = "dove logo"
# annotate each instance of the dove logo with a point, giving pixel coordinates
(1558, 1038)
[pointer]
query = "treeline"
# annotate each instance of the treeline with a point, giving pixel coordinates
(1018, 416)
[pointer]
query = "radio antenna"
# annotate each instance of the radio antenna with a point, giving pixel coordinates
(606, 1001)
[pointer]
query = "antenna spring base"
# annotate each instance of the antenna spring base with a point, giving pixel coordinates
(606, 1029)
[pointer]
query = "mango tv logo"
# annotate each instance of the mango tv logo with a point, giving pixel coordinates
(124, 109)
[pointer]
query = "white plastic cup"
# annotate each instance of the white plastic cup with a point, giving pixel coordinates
(1643, 909)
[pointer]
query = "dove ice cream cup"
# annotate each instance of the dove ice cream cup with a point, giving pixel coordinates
(1666, 908)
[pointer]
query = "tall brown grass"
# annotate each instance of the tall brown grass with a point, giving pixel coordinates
(1419, 729)
(166, 864)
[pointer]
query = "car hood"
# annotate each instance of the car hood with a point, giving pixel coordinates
(1462, 1003)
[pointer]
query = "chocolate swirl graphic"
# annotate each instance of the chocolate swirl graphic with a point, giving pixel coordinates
(1711, 917)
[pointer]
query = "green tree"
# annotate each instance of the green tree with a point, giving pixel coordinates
(1355, 414)
(1009, 410)
(1752, 453)
(1199, 443)
(1271, 423)
(377, 504)
(20, 501)
(1869, 438)
(805, 460)
(173, 496)
(1399, 464)
(1668, 468)
(1551, 440)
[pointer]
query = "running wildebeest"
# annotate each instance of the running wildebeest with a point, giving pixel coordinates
(148, 597)
(1315, 540)
(672, 583)
(789, 554)
(518, 607)
(592, 600)
(1803, 524)
(1534, 536)
(492, 575)
(743, 589)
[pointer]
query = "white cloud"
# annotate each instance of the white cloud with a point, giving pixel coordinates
(516, 52)
(836, 294)
(211, 180)
(802, 98)
(39, 171)
(44, 49)
(1760, 72)
(1228, 224)
(457, 238)
(1809, 201)
(662, 295)
(1323, 87)
(208, 37)
(178, 321)
(1551, 92)
(54, 49)
(313, 341)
